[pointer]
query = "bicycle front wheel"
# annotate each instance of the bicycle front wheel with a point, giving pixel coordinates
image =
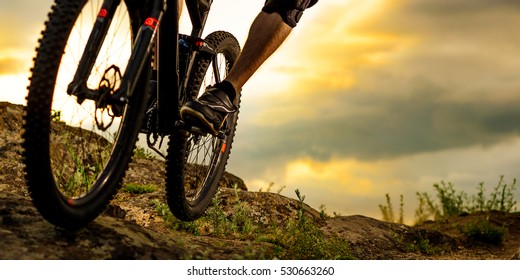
(77, 148)
(195, 162)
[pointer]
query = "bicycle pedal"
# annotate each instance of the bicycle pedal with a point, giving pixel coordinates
(192, 127)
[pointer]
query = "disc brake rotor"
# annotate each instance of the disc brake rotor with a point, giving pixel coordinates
(108, 87)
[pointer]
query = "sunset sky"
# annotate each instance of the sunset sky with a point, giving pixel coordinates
(365, 98)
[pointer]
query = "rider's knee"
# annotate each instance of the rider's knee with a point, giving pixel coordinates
(290, 10)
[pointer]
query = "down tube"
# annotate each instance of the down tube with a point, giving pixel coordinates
(168, 75)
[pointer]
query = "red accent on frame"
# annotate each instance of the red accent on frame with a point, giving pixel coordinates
(103, 13)
(151, 22)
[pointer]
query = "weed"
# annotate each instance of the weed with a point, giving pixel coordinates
(453, 203)
(306, 241)
(268, 188)
(280, 190)
(502, 197)
(300, 238)
(422, 245)
(140, 152)
(323, 213)
(164, 211)
(241, 222)
(483, 231)
(271, 185)
(79, 173)
(216, 217)
(303, 239)
(388, 210)
(301, 206)
(426, 209)
(56, 115)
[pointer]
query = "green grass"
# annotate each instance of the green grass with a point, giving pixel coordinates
(139, 189)
(163, 210)
(140, 152)
(303, 239)
(299, 238)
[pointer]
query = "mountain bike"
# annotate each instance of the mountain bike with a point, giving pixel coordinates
(105, 72)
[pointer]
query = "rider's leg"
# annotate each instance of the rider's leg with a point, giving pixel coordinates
(269, 30)
(266, 34)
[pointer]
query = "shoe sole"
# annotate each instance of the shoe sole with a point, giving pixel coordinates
(192, 116)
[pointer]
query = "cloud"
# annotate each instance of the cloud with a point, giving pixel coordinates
(416, 80)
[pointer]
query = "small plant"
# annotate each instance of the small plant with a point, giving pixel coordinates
(388, 210)
(502, 198)
(300, 238)
(164, 211)
(303, 239)
(139, 189)
(270, 186)
(140, 152)
(323, 213)
(422, 245)
(216, 216)
(78, 174)
(453, 203)
(241, 222)
(426, 209)
(483, 231)
(55, 115)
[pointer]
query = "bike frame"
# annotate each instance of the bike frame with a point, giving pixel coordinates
(160, 26)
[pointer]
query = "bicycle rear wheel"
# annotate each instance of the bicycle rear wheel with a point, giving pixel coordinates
(195, 162)
(76, 150)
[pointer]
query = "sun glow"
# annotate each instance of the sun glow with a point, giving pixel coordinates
(351, 176)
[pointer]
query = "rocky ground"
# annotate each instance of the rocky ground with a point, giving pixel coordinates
(134, 227)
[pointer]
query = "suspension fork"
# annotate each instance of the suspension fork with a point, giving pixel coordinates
(78, 86)
(138, 59)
